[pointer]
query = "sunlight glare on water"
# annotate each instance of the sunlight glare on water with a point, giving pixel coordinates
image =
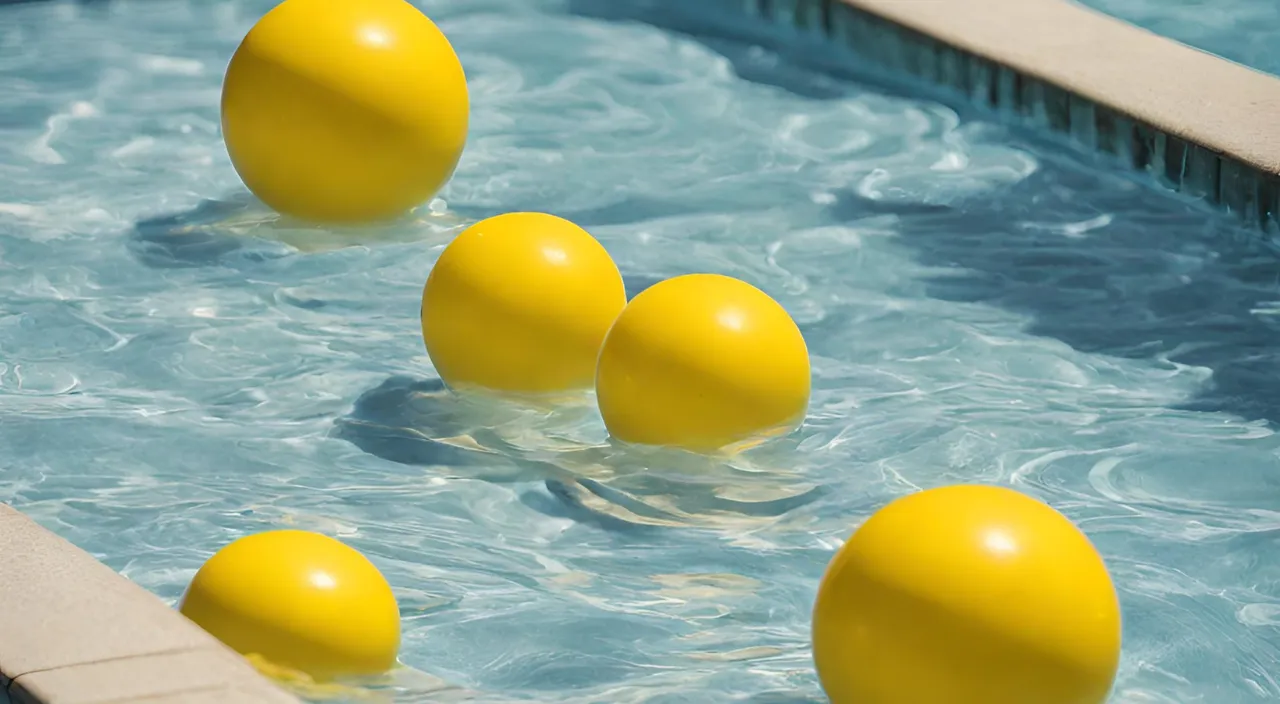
(178, 369)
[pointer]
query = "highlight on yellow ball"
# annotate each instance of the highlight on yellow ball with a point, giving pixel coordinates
(967, 595)
(702, 362)
(301, 601)
(519, 304)
(344, 112)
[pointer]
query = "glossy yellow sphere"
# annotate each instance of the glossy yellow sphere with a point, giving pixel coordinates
(967, 595)
(299, 600)
(519, 303)
(344, 112)
(702, 362)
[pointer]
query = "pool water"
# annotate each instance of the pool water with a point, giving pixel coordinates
(1245, 31)
(178, 369)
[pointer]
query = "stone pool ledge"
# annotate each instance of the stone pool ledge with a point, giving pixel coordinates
(1200, 124)
(73, 631)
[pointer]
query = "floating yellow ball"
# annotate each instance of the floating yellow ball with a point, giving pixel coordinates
(299, 600)
(967, 595)
(519, 303)
(344, 111)
(702, 362)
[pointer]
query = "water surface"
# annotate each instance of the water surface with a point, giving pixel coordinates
(177, 369)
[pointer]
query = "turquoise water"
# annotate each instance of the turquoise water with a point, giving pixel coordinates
(1245, 31)
(177, 369)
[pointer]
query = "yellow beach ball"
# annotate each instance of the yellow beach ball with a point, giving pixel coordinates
(299, 600)
(967, 595)
(702, 362)
(519, 303)
(344, 112)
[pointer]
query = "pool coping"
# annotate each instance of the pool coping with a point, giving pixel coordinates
(73, 631)
(1200, 124)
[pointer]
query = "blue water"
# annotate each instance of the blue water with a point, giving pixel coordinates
(1245, 31)
(177, 369)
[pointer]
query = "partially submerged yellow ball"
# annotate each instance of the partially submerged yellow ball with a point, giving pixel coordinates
(702, 362)
(967, 595)
(519, 303)
(344, 112)
(299, 600)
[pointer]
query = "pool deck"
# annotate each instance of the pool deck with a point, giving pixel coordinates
(1200, 124)
(73, 631)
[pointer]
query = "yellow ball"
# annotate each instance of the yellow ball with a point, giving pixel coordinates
(519, 303)
(299, 600)
(967, 595)
(702, 362)
(344, 112)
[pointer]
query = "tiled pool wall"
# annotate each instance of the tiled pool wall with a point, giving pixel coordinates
(72, 631)
(1198, 124)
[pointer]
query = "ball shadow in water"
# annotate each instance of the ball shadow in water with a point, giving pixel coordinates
(399, 421)
(241, 228)
(419, 422)
(659, 487)
(682, 498)
(191, 238)
(653, 488)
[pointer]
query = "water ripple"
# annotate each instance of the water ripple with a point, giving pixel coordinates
(179, 366)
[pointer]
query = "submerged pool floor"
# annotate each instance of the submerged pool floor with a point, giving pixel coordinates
(178, 370)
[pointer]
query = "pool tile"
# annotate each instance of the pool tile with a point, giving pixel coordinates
(1201, 173)
(982, 83)
(1082, 121)
(1238, 191)
(811, 17)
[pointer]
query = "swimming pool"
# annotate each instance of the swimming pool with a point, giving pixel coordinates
(980, 306)
(1245, 31)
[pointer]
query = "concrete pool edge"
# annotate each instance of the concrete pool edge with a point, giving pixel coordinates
(73, 631)
(1200, 124)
